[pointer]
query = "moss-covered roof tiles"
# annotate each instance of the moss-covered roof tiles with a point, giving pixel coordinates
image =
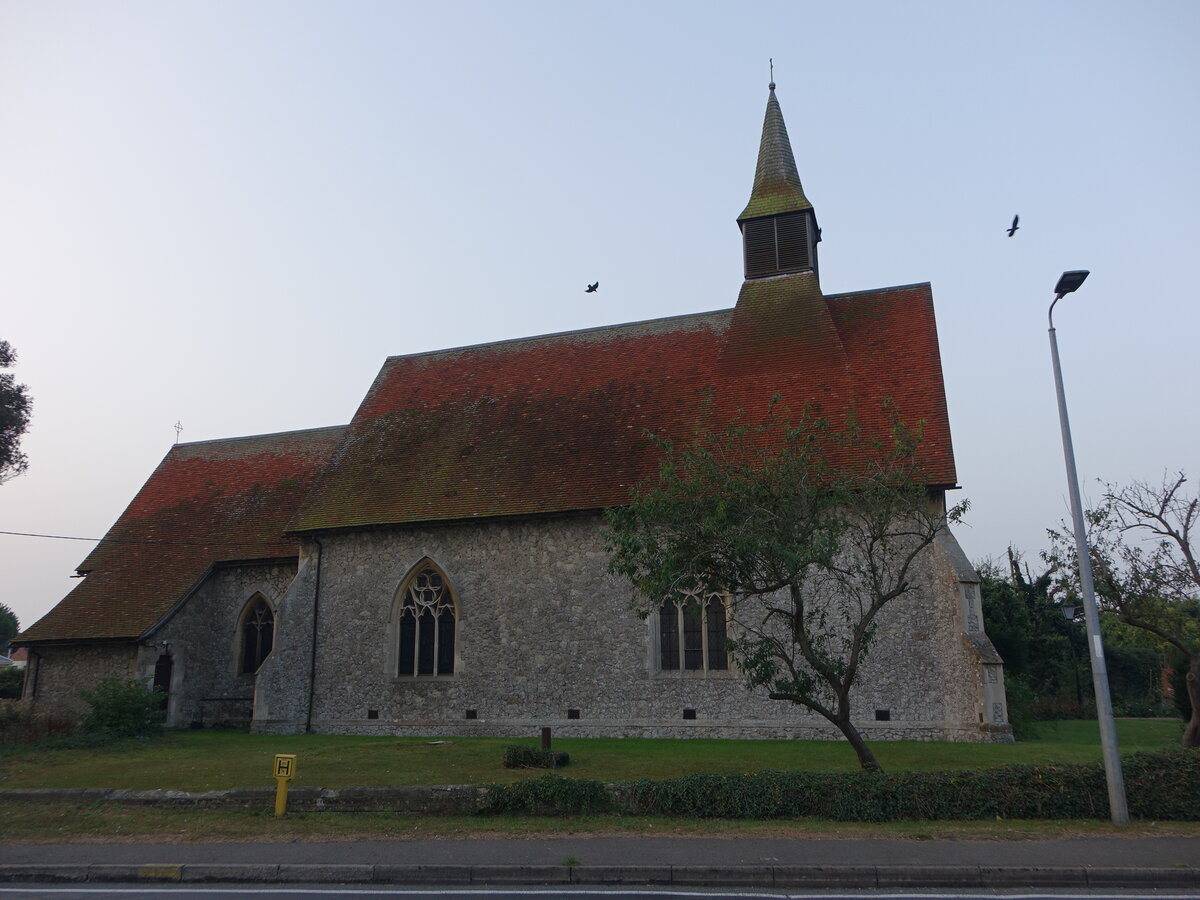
(777, 187)
(558, 423)
(207, 502)
(540, 425)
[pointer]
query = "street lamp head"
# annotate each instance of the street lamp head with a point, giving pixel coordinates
(1070, 281)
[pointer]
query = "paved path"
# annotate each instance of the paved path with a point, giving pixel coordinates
(1164, 852)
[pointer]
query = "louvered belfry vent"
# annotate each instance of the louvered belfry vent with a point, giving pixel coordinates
(776, 245)
(758, 238)
(791, 235)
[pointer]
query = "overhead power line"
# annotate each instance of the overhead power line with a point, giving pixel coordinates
(67, 537)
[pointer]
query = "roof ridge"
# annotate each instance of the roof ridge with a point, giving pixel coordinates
(882, 290)
(558, 334)
(252, 437)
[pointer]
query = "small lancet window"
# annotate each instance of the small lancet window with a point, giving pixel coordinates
(692, 632)
(258, 636)
(427, 624)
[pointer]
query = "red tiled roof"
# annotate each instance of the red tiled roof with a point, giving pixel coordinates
(207, 502)
(557, 423)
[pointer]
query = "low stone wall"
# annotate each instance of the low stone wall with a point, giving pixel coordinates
(449, 800)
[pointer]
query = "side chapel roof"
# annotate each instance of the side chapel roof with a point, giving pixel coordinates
(207, 502)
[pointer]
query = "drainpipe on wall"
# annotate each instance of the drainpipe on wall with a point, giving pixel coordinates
(312, 667)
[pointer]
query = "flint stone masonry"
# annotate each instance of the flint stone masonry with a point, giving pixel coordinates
(204, 641)
(57, 674)
(543, 628)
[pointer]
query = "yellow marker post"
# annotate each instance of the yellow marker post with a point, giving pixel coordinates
(285, 771)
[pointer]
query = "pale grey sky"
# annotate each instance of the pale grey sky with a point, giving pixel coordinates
(228, 213)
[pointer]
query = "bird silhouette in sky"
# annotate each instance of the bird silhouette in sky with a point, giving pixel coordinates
(1013, 228)
(592, 288)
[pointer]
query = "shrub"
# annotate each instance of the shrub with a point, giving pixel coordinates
(517, 757)
(123, 708)
(1164, 786)
(11, 680)
(1020, 707)
(1056, 709)
(22, 723)
(1179, 692)
(550, 795)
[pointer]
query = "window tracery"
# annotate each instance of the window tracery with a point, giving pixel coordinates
(258, 635)
(692, 631)
(428, 619)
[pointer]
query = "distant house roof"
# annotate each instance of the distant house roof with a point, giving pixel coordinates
(557, 423)
(207, 502)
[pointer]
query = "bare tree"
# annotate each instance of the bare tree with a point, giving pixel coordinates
(1142, 542)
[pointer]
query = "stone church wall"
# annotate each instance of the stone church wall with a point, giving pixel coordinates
(58, 673)
(545, 636)
(281, 695)
(203, 640)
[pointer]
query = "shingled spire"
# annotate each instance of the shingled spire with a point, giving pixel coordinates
(779, 227)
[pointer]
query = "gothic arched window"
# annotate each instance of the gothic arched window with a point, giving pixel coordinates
(691, 632)
(258, 635)
(427, 623)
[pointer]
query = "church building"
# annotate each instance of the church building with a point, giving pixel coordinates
(438, 565)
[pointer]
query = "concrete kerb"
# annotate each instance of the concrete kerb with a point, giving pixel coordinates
(789, 876)
(1131, 877)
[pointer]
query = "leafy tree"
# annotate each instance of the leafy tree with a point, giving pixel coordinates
(1041, 649)
(11, 681)
(811, 531)
(9, 626)
(1146, 569)
(15, 408)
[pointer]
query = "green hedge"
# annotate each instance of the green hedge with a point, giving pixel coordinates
(550, 795)
(1164, 786)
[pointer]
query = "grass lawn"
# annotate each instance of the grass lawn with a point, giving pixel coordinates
(200, 760)
(95, 823)
(210, 760)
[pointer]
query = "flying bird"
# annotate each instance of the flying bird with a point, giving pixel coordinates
(1013, 228)
(592, 288)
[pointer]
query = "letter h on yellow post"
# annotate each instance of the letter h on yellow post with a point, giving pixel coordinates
(285, 771)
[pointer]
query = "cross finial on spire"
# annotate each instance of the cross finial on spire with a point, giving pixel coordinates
(772, 63)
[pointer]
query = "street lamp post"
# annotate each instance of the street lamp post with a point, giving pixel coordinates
(1069, 282)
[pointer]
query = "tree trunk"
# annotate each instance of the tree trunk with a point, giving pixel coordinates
(866, 758)
(1191, 734)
